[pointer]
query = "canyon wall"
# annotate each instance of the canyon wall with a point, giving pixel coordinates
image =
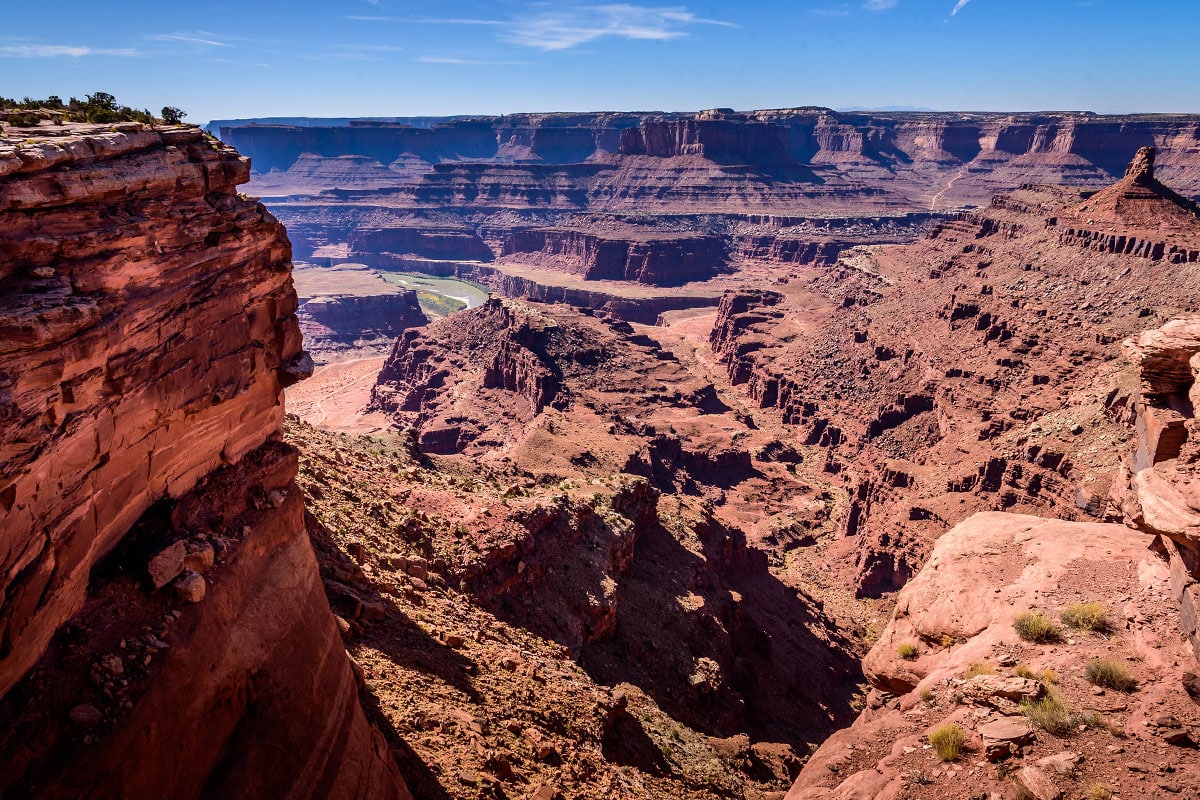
(147, 329)
(785, 159)
(936, 384)
(658, 259)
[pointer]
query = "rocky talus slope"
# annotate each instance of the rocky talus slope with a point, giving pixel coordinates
(162, 630)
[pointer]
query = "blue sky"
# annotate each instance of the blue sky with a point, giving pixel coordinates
(417, 57)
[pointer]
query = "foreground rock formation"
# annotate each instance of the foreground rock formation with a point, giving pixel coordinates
(1159, 488)
(162, 630)
(966, 664)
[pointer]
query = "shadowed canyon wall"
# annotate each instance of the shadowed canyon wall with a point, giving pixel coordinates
(147, 330)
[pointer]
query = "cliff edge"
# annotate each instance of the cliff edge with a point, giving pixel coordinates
(162, 630)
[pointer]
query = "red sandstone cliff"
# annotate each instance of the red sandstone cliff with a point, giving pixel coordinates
(163, 630)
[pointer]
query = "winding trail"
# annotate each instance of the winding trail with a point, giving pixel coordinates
(962, 173)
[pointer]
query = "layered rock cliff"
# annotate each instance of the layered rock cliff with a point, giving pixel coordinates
(656, 258)
(787, 157)
(162, 630)
(937, 380)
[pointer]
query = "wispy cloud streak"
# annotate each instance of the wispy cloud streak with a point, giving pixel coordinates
(574, 24)
(571, 26)
(199, 37)
(61, 51)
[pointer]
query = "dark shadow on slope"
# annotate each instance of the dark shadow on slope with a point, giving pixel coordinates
(396, 635)
(779, 676)
(718, 642)
(628, 745)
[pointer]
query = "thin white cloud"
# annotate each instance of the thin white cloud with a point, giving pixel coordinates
(959, 6)
(880, 5)
(564, 28)
(238, 62)
(574, 24)
(457, 60)
(198, 37)
(61, 51)
(425, 20)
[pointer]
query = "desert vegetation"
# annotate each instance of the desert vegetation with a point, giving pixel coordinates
(1089, 616)
(100, 107)
(1109, 674)
(1034, 626)
(948, 741)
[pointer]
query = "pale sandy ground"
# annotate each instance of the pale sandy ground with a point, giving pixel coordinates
(336, 396)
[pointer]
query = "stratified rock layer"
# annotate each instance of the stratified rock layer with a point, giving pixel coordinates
(147, 329)
(148, 318)
(977, 368)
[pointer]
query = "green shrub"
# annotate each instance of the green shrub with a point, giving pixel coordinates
(1090, 616)
(24, 120)
(906, 651)
(1034, 626)
(947, 741)
(1109, 674)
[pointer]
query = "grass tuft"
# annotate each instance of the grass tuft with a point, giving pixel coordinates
(906, 651)
(1034, 626)
(1050, 714)
(1109, 674)
(948, 740)
(1090, 616)
(1097, 792)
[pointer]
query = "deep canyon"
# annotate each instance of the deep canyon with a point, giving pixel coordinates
(775, 433)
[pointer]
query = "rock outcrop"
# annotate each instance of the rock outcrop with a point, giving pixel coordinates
(147, 330)
(1159, 490)
(602, 462)
(951, 655)
(350, 311)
